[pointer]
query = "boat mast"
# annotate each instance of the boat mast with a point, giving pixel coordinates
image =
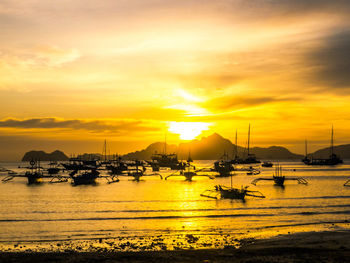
(305, 148)
(332, 141)
(248, 137)
(165, 144)
(105, 150)
(236, 148)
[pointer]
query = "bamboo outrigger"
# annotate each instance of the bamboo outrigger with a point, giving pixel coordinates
(190, 172)
(231, 192)
(279, 179)
(34, 174)
(347, 183)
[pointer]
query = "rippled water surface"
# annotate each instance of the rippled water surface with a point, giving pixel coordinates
(151, 206)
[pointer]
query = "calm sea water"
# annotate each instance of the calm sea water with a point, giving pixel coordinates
(154, 206)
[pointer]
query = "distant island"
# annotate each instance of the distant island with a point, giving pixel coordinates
(43, 156)
(211, 148)
(207, 148)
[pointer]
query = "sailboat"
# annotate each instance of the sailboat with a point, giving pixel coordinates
(332, 160)
(250, 157)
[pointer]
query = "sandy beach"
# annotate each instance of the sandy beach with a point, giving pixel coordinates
(328, 246)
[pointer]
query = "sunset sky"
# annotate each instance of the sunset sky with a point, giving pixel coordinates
(74, 73)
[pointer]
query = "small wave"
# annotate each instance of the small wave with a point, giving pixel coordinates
(186, 210)
(315, 197)
(177, 217)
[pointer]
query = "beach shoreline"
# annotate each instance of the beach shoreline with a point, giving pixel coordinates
(326, 246)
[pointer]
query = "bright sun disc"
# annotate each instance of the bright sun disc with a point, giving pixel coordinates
(188, 130)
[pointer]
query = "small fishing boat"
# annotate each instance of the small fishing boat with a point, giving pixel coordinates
(189, 172)
(85, 177)
(224, 167)
(332, 160)
(35, 175)
(267, 164)
(231, 192)
(279, 178)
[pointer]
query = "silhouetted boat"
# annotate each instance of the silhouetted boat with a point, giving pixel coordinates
(279, 178)
(267, 164)
(231, 192)
(251, 158)
(86, 177)
(165, 160)
(189, 171)
(53, 168)
(223, 166)
(332, 160)
(35, 175)
(116, 166)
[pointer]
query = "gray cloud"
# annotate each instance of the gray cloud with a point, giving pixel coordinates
(237, 102)
(330, 62)
(115, 126)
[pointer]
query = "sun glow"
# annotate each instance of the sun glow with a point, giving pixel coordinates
(188, 130)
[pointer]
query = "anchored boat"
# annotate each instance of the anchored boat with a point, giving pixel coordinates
(332, 160)
(279, 178)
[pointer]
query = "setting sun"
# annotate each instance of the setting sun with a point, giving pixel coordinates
(188, 130)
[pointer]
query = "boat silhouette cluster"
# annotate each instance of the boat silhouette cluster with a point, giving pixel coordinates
(85, 171)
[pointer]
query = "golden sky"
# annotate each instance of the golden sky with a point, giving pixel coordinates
(76, 72)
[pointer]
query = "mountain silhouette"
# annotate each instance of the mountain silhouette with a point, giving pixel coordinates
(342, 150)
(207, 148)
(43, 156)
(211, 148)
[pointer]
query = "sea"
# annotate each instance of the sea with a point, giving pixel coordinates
(174, 207)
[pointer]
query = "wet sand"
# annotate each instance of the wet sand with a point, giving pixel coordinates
(330, 246)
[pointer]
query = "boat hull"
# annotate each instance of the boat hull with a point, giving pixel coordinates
(34, 180)
(83, 180)
(279, 180)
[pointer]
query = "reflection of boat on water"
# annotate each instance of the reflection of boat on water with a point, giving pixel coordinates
(332, 160)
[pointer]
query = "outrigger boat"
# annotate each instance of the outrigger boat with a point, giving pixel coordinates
(165, 160)
(53, 168)
(221, 191)
(86, 177)
(77, 163)
(116, 166)
(347, 183)
(279, 179)
(189, 172)
(223, 166)
(137, 173)
(34, 174)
